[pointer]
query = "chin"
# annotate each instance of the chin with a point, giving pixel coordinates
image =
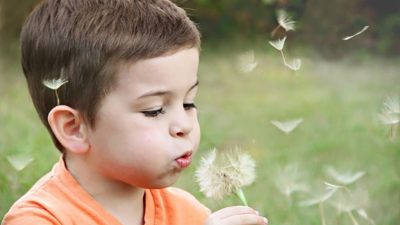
(165, 183)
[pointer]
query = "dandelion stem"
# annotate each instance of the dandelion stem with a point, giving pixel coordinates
(283, 57)
(58, 99)
(393, 131)
(14, 180)
(352, 218)
(240, 194)
(321, 211)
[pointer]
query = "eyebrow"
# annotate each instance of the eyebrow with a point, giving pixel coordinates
(160, 93)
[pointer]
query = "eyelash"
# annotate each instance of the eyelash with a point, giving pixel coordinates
(188, 106)
(155, 113)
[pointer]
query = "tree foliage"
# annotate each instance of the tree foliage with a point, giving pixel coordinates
(321, 23)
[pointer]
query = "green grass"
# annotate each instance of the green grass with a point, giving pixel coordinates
(339, 101)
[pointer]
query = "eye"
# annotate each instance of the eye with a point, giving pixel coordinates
(188, 106)
(153, 113)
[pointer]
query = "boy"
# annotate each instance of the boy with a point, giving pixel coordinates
(125, 121)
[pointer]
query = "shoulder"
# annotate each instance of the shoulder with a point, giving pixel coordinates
(26, 213)
(41, 204)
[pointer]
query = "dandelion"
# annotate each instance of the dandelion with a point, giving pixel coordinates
(287, 126)
(284, 21)
(247, 61)
(55, 84)
(225, 175)
(20, 162)
(356, 34)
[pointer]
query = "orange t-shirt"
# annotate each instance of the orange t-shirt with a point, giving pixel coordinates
(57, 198)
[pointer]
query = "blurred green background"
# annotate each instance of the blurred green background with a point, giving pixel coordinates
(338, 92)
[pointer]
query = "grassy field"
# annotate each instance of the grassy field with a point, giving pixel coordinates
(338, 100)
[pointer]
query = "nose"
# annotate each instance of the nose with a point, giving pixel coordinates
(182, 123)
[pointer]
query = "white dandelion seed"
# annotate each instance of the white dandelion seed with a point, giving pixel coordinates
(389, 118)
(20, 162)
(364, 215)
(55, 84)
(287, 126)
(278, 44)
(344, 178)
(391, 105)
(390, 114)
(295, 65)
(225, 175)
(285, 21)
(289, 181)
(347, 202)
(247, 61)
(319, 198)
(330, 186)
(356, 34)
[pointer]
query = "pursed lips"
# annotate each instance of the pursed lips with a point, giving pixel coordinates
(184, 160)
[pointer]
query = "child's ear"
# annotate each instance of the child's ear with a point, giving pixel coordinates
(69, 127)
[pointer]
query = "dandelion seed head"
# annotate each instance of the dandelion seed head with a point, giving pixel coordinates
(278, 44)
(226, 174)
(285, 21)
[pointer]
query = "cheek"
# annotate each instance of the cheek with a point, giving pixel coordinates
(196, 134)
(146, 135)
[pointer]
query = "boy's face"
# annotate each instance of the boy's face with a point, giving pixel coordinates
(146, 128)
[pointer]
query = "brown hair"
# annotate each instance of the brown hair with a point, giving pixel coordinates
(83, 41)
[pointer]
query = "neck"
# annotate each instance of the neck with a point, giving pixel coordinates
(123, 201)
